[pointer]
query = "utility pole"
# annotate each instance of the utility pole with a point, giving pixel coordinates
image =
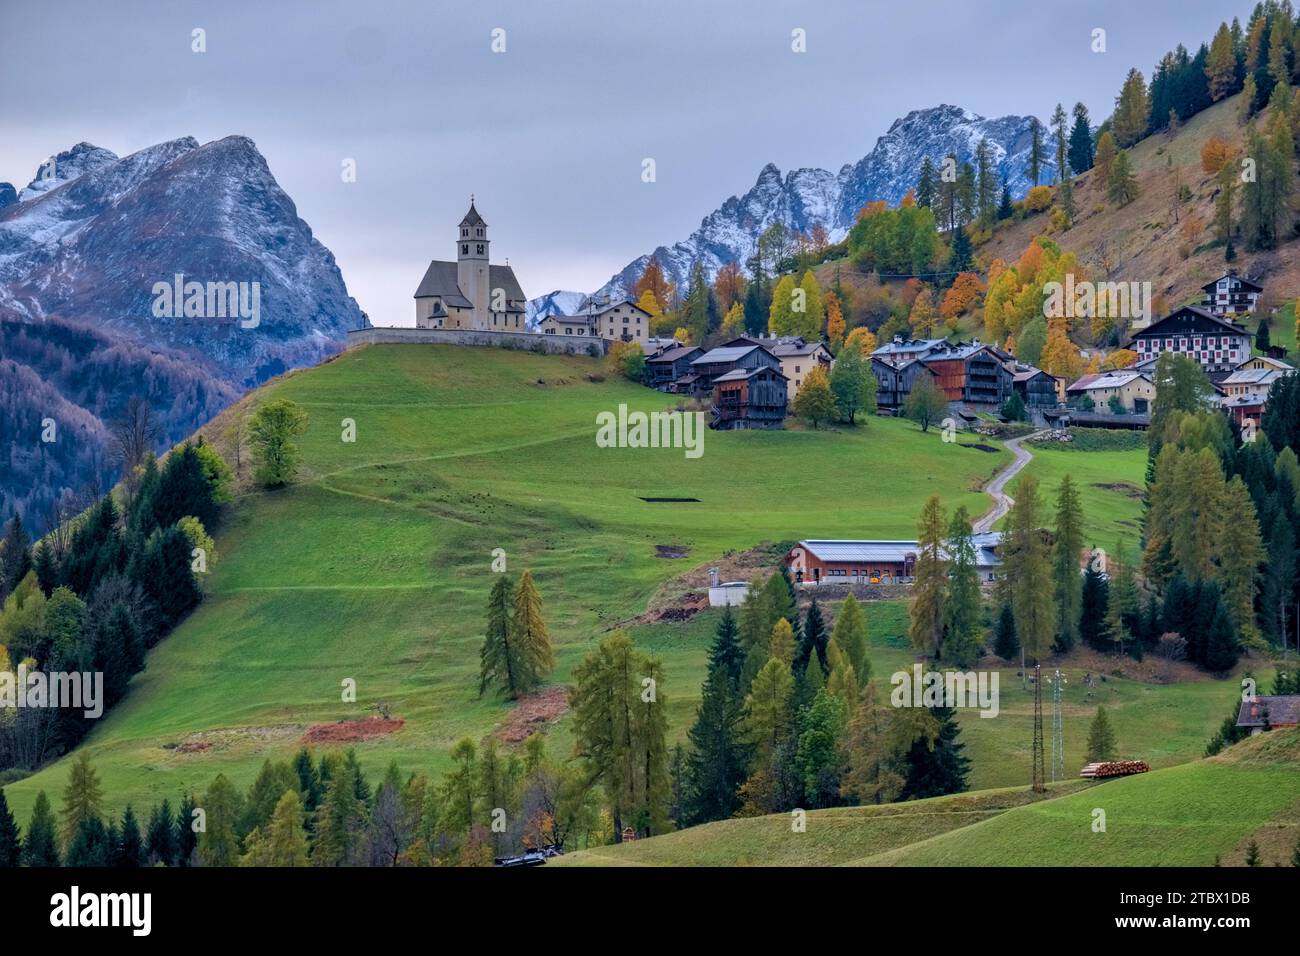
(1058, 730)
(1038, 785)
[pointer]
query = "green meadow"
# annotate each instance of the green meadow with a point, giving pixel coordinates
(376, 565)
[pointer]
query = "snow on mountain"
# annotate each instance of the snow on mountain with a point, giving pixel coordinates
(559, 302)
(81, 252)
(91, 246)
(803, 198)
(67, 166)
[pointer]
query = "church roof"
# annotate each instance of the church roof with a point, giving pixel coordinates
(440, 280)
(472, 218)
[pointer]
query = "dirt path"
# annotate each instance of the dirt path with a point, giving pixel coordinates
(1002, 502)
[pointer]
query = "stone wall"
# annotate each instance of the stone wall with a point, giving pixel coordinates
(524, 341)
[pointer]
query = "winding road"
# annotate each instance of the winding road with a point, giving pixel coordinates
(1002, 502)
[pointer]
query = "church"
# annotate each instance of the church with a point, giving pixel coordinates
(470, 293)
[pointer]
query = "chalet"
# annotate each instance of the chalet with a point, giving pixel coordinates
(1121, 392)
(666, 367)
(1036, 388)
(1231, 294)
(971, 373)
(1266, 713)
(1245, 392)
(895, 382)
(798, 358)
(816, 562)
(749, 398)
(1217, 344)
(724, 359)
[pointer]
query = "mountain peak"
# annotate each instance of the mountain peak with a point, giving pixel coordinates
(67, 166)
(808, 197)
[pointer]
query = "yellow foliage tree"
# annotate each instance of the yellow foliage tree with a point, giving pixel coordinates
(961, 295)
(834, 321)
(861, 338)
(1060, 356)
(924, 315)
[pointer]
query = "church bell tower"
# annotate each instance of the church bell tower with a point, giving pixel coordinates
(472, 274)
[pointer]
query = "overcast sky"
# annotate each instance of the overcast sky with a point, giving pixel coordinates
(550, 134)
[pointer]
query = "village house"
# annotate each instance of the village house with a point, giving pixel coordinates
(665, 368)
(1231, 295)
(1036, 388)
(749, 398)
(620, 320)
(825, 561)
(470, 293)
(1268, 713)
(798, 358)
(716, 362)
(895, 382)
(1120, 392)
(1217, 344)
(971, 373)
(1245, 392)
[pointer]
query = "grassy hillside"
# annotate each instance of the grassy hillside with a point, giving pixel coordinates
(1181, 816)
(376, 566)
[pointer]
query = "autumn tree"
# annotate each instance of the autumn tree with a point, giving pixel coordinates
(1122, 187)
(923, 315)
(925, 403)
(1132, 110)
(814, 400)
(653, 281)
(1104, 156)
(729, 286)
(1221, 64)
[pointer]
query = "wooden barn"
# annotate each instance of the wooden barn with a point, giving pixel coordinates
(749, 398)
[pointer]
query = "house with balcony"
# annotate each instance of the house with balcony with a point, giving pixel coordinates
(1231, 295)
(1217, 344)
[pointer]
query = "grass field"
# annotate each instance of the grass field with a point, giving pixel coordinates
(376, 565)
(1110, 487)
(1189, 815)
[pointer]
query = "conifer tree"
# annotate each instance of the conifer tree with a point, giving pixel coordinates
(1081, 151)
(11, 845)
(813, 638)
(1221, 646)
(1027, 570)
(1005, 644)
(1101, 738)
(1094, 611)
(964, 606)
(937, 766)
(850, 633)
(282, 841)
(83, 797)
(41, 848)
(129, 852)
(1066, 583)
(160, 835)
(529, 634)
(1104, 157)
(1132, 110)
(781, 646)
(718, 758)
(930, 581)
(1036, 154)
(218, 844)
(500, 662)
(1221, 66)
(767, 709)
(781, 319)
(1122, 186)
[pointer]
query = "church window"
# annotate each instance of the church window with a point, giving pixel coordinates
(479, 249)
(464, 248)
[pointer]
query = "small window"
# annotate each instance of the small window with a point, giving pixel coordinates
(464, 248)
(479, 249)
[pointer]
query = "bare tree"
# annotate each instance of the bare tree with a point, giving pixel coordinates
(134, 434)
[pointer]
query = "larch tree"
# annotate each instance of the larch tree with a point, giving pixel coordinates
(1132, 110)
(930, 581)
(850, 634)
(501, 662)
(809, 310)
(781, 316)
(815, 401)
(767, 709)
(1027, 571)
(83, 797)
(528, 632)
(1221, 65)
(781, 646)
(1067, 585)
(964, 611)
(1241, 553)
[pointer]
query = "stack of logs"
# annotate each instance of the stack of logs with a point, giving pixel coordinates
(1114, 768)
